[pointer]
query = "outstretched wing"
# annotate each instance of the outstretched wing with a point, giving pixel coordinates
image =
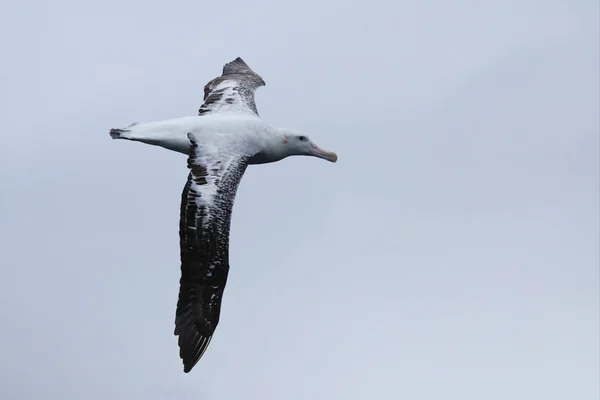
(206, 205)
(233, 91)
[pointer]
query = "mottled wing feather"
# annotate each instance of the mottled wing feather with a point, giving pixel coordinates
(206, 205)
(233, 91)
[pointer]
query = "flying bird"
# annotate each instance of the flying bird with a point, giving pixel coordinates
(224, 138)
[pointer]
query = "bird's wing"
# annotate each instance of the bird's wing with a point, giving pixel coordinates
(206, 205)
(233, 91)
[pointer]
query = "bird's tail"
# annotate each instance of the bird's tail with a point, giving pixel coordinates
(122, 133)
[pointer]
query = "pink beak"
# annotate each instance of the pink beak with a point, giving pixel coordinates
(326, 155)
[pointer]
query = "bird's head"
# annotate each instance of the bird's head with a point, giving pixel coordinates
(295, 144)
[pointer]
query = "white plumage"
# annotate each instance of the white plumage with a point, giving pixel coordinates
(224, 138)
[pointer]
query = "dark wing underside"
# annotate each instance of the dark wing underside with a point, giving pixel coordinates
(233, 90)
(206, 204)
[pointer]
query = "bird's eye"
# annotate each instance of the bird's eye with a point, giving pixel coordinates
(302, 138)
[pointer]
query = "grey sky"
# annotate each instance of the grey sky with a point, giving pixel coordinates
(451, 253)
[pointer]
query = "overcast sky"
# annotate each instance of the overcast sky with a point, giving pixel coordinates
(451, 253)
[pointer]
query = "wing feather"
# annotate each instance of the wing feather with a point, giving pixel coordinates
(233, 91)
(206, 205)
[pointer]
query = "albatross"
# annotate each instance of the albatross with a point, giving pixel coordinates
(224, 138)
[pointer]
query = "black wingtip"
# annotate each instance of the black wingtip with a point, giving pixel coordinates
(236, 66)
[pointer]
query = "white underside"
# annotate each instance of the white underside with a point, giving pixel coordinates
(218, 129)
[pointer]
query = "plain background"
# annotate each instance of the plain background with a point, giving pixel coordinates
(451, 253)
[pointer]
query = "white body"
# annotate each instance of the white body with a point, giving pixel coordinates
(217, 129)
(220, 142)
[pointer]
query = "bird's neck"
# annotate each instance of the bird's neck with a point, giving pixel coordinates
(274, 148)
